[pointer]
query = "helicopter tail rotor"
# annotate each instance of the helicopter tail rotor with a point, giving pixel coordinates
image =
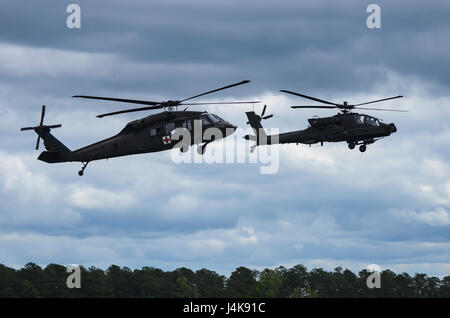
(261, 117)
(41, 128)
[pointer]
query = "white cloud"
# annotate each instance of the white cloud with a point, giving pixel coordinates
(27, 185)
(438, 217)
(436, 167)
(305, 158)
(29, 61)
(91, 198)
(183, 203)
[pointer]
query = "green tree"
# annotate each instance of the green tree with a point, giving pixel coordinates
(30, 277)
(54, 282)
(209, 284)
(94, 283)
(321, 283)
(152, 282)
(121, 281)
(345, 283)
(269, 283)
(242, 283)
(444, 290)
(33, 281)
(8, 281)
(296, 277)
(421, 285)
(303, 292)
(185, 281)
(388, 284)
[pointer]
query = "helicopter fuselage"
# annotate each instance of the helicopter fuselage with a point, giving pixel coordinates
(349, 127)
(353, 128)
(149, 134)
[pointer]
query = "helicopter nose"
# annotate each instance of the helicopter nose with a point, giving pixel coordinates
(230, 129)
(393, 128)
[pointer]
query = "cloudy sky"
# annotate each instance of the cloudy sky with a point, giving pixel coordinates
(325, 207)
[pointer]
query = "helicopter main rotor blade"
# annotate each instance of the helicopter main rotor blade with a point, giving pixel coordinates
(162, 106)
(37, 142)
(314, 107)
(157, 105)
(129, 111)
(379, 100)
(382, 109)
(216, 90)
(263, 111)
(309, 97)
(42, 115)
(123, 100)
(219, 103)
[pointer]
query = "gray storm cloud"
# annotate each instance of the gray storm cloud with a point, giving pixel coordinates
(325, 207)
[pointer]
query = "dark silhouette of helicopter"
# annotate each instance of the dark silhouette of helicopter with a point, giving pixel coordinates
(149, 134)
(353, 128)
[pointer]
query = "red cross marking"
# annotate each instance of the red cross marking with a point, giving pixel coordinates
(166, 139)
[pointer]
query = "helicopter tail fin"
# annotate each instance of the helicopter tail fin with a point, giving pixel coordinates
(255, 122)
(56, 150)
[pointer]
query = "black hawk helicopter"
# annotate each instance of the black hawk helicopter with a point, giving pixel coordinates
(353, 128)
(149, 134)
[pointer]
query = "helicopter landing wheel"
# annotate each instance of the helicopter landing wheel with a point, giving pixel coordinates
(362, 148)
(81, 172)
(351, 145)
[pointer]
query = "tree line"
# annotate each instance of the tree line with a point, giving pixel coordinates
(295, 282)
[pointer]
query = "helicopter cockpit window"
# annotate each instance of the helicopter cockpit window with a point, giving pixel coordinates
(170, 127)
(205, 120)
(187, 124)
(218, 118)
(212, 118)
(371, 121)
(155, 131)
(359, 119)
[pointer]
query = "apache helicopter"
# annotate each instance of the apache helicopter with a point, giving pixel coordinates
(353, 128)
(149, 134)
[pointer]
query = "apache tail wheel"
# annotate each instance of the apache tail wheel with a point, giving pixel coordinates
(362, 148)
(80, 173)
(351, 145)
